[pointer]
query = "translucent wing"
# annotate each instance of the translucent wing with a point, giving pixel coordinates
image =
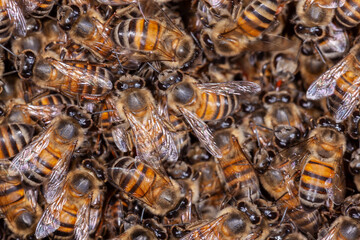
(21, 161)
(325, 3)
(84, 75)
(208, 231)
(45, 113)
(153, 141)
(324, 86)
(53, 187)
(16, 16)
(202, 132)
(337, 192)
(348, 102)
(82, 221)
(32, 195)
(232, 87)
(120, 138)
(50, 220)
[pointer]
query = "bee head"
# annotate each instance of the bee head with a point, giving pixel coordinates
(67, 15)
(24, 64)
(168, 78)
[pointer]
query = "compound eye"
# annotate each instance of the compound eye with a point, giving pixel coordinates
(121, 86)
(85, 123)
(270, 99)
(71, 111)
(285, 98)
(318, 32)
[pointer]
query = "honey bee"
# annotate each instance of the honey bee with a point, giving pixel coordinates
(150, 133)
(339, 84)
(343, 227)
(79, 80)
(69, 216)
(202, 102)
(229, 224)
(235, 168)
(147, 40)
(282, 187)
(46, 159)
(20, 211)
(321, 165)
(230, 38)
(347, 16)
(88, 30)
(156, 191)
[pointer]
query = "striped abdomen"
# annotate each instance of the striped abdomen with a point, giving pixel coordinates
(16, 208)
(257, 17)
(67, 219)
(348, 15)
(316, 179)
(90, 89)
(215, 107)
(139, 34)
(133, 177)
(13, 138)
(42, 165)
(53, 99)
(42, 9)
(344, 84)
(181, 138)
(306, 221)
(6, 25)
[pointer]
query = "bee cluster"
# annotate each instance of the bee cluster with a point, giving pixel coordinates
(179, 119)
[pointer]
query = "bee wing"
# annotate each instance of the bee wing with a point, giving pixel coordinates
(349, 101)
(120, 138)
(270, 42)
(208, 231)
(202, 132)
(53, 187)
(50, 220)
(324, 86)
(337, 192)
(326, 3)
(84, 75)
(82, 221)
(32, 195)
(45, 113)
(16, 16)
(21, 161)
(232, 87)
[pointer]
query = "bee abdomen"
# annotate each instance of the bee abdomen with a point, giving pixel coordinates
(5, 26)
(43, 8)
(257, 17)
(13, 138)
(216, 107)
(53, 99)
(348, 15)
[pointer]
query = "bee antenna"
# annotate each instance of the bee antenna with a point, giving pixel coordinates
(153, 68)
(283, 216)
(8, 50)
(196, 41)
(9, 73)
(262, 126)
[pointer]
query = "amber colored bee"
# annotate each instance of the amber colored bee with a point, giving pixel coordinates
(75, 79)
(46, 158)
(20, 211)
(88, 30)
(339, 84)
(156, 191)
(282, 188)
(321, 164)
(236, 170)
(348, 15)
(230, 38)
(230, 223)
(201, 102)
(147, 40)
(343, 227)
(70, 215)
(150, 133)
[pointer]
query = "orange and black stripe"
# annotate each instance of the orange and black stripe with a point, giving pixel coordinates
(67, 219)
(257, 17)
(348, 15)
(13, 138)
(6, 24)
(215, 107)
(53, 99)
(313, 183)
